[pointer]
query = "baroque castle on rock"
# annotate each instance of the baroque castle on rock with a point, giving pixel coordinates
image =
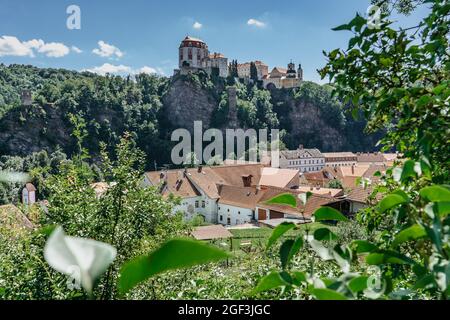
(194, 55)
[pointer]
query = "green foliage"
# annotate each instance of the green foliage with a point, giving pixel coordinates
(399, 80)
(335, 184)
(280, 230)
(328, 214)
(284, 199)
(39, 165)
(174, 254)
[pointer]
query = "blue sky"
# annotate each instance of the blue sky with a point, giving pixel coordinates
(145, 35)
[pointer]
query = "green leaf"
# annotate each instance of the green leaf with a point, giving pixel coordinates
(388, 257)
(442, 208)
(298, 277)
(426, 281)
(324, 234)
(342, 27)
(358, 22)
(410, 170)
(304, 197)
(435, 193)
(280, 230)
(174, 254)
(391, 201)
(284, 199)
(328, 294)
(288, 249)
(362, 246)
(412, 233)
(271, 281)
(358, 284)
(401, 193)
(327, 213)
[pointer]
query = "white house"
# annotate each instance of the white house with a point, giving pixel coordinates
(29, 194)
(303, 160)
(227, 195)
(237, 204)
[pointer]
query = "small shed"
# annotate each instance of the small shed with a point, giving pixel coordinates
(212, 232)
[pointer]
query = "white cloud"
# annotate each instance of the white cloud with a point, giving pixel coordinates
(54, 49)
(109, 68)
(107, 50)
(197, 25)
(76, 49)
(11, 46)
(149, 70)
(256, 23)
(123, 70)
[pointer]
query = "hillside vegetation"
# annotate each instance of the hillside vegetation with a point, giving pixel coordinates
(150, 107)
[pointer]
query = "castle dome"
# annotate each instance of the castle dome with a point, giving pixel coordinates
(192, 42)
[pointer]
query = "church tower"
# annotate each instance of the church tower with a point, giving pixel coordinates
(291, 70)
(300, 72)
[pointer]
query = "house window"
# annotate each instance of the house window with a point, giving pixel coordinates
(190, 54)
(228, 220)
(239, 212)
(203, 203)
(220, 218)
(196, 203)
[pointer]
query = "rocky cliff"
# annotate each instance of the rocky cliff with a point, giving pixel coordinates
(152, 107)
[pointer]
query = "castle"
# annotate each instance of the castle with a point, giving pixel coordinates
(194, 55)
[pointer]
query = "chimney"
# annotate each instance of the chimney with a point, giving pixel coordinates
(258, 188)
(300, 147)
(199, 169)
(247, 180)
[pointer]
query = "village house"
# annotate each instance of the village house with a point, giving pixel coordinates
(303, 160)
(229, 194)
(340, 159)
(377, 158)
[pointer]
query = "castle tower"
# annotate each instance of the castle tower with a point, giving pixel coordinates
(25, 98)
(291, 73)
(300, 72)
(193, 53)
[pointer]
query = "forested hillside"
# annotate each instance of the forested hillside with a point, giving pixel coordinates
(150, 107)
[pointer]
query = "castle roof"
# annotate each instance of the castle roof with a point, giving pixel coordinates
(192, 39)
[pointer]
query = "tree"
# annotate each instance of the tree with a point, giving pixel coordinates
(335, 184)
(253, 72)
(399, 79)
